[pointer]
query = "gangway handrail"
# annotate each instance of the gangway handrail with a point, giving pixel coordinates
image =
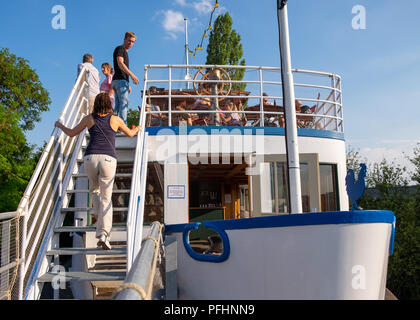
(46, 189)
(138, 184)
(8, 215)
(139, 281)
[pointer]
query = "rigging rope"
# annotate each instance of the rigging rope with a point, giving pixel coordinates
(209, 28)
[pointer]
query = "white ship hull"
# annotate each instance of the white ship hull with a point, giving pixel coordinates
(310, 256)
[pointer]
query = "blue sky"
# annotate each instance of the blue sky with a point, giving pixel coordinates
(380, 65)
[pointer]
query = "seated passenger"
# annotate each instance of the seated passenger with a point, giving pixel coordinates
(181, 119)
(155, 119)
(216, 245)
(265, 100)
(201, 118)
(303, 121)
(231, 118)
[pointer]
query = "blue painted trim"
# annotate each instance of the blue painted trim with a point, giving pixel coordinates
(206, 257)
(267, 131)
(292, 220)
(392, 240)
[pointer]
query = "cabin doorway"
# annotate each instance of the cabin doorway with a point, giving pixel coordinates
(218, 191)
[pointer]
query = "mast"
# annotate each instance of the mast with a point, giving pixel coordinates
(187, 52)
(292, 150)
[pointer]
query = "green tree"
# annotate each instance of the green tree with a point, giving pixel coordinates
(416, 162)
(354, 159)
(133, 118)
(225, 48)
(22, 94)
(22, 101)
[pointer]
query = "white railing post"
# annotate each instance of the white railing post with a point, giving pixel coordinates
(341, 107)
(170, 97)
(23, 244)
(334, 85)
(261, 98)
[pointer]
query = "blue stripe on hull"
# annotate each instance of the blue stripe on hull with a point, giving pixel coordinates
(292, 220)
(267, 131)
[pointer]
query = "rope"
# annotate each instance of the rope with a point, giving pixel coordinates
(133, 286)
(200, 46)
(153, 271)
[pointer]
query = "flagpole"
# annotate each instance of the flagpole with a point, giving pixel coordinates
(292, 150)
(187, 52)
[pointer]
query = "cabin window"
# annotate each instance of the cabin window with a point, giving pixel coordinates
(274, 188)
(270, 187)
(328, 181)
(153, 208)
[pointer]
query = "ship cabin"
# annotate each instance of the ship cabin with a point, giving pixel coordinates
(216, 149)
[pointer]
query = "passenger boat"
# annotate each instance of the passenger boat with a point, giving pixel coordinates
(217, 209)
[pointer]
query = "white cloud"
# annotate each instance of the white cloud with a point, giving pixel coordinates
(203, 6)
(173, 22)
(182, 3)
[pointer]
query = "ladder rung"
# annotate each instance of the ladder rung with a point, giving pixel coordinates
(83, 276)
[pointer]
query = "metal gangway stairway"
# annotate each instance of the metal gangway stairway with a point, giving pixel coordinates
(52, 198)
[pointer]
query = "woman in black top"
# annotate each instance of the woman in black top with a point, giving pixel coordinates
(100, 160)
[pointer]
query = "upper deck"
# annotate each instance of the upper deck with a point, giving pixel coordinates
(210, 98)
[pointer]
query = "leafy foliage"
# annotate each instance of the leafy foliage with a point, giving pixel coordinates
(22, 101)
(392, 192)
(22, 94)
(225, 48)
(133, 117)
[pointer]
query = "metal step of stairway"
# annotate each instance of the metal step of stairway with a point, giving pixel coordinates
(76, 209)
(118, 175)
(87, 251)
(87, 229)
(119, 134)
(83, 276)
(119, 161)
(119, 191)
(117, 148)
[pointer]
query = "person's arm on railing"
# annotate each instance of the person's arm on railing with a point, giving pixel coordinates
(77, 129)
(125, 129)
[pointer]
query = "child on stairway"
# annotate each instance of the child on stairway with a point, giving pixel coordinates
(108, 72)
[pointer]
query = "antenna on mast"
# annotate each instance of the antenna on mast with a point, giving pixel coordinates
(187, 52)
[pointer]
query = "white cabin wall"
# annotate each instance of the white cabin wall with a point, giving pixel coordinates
(161, 148)
(176, 177)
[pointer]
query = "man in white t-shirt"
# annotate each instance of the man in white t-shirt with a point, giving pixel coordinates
(92, 78)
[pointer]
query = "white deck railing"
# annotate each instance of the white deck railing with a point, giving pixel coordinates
(320, 91)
